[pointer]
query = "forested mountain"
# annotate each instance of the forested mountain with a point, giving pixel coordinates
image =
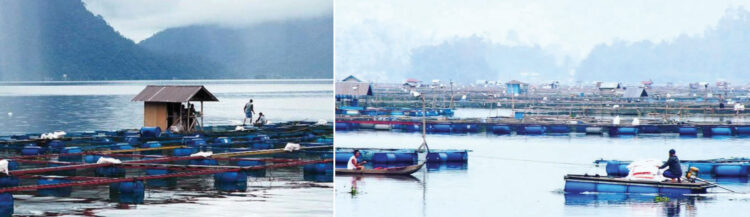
(56, 40)
(62, 40)
(281, 49)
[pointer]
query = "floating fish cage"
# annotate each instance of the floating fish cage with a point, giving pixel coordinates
(131, 161)
(451, 126)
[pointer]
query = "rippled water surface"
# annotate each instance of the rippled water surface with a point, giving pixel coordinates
(88, 106)
(523, 176)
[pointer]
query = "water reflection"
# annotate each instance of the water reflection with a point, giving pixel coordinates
(447, 166)
(668, 206)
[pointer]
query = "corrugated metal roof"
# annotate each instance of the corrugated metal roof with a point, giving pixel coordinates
(353, 89)
(635, 93)
(163, 93)
(515, 82)
(609, 85)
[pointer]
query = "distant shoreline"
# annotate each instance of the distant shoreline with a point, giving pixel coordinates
(183, 82)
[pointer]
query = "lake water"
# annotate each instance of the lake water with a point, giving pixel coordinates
(87, 106)
(523, 176)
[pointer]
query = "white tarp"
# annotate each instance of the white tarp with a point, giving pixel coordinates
(645, 170)
(291, 147)
(4, 166)
(202, 154)
(103, 160)
(53, 135)
(636, 122)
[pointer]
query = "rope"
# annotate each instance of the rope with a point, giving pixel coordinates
(533, 161)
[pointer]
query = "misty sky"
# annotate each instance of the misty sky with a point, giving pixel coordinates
(370, 34)
(139, 19)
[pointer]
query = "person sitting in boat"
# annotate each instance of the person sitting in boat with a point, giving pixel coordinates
(353, 164)
(261, 120)
(674, 171)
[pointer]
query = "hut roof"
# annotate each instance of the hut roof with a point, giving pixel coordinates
(351, 78)
(635, 93)
(163, 93)
(353, 89)
(515, 82)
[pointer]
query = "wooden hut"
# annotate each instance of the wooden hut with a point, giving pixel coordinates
(169, 106)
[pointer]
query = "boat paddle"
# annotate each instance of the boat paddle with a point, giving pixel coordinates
(717, 185)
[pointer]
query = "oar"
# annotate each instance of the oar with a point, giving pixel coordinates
(717, 185)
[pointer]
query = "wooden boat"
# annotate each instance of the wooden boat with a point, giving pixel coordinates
(585, 183)
(405, 170)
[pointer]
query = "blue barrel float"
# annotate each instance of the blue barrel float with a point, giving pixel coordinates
(204, 161)
(558, 129)
(730, 170)
(55, 146)
(341, 126)
(121, 146)
(318, 172)
(31, 149)
(650, 129)
(448, 156)
(9, 181)
(182, 152)
(71, 154)
(127, 192)
(617, 168)
(53, 192)
(439, 128)
(132, 140)
(196, 143)
(150, 132)
(626, 131)
(688, 131)
(230, 181)
(721, 131)
(465, 128)
(500, 129)
(394, 158)
(743, 131)
(533, 130)
(110, 171)
(703, 168)
(152, 144)
(222, 142)
(412, 127)
(6, 204)
(91, 159)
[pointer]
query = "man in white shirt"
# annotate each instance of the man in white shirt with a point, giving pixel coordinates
(353, 164)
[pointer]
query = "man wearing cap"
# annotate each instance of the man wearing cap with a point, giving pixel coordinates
(674, 171)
